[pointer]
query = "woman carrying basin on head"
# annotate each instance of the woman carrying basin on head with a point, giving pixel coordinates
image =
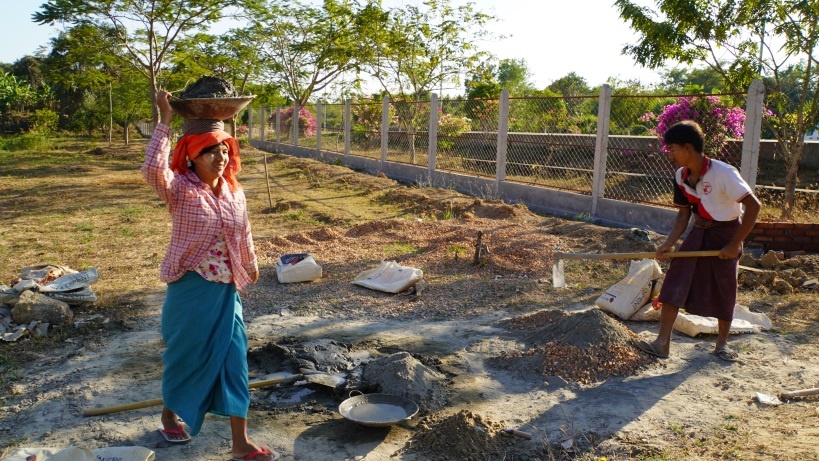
(209, 260)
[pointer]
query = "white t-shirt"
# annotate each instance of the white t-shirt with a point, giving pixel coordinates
(716, 195)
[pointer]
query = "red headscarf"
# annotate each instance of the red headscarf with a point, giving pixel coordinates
(191, 145)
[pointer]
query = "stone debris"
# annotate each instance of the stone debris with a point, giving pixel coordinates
(41, 296)
(209, 87)
(782, 276)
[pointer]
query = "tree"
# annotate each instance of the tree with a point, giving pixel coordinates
(414, 49)
(306, 48)
(513, 76)
(775, 40)
(697, 80)
(571, 86)
(145, 30)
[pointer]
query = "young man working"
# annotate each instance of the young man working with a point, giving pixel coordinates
(715, 194)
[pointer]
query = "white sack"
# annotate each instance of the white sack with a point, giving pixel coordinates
(82, 454)
(627, 296)
(73, 281)
(744, 321)
(297, 267)
(647, 313)
(390, 277)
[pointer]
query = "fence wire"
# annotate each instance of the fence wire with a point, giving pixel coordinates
(408, 136)
(551, 142)
(365, 123)
(638, 169)
(332, 127)
(467, 136)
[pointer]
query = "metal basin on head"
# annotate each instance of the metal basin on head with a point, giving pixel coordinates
(209, 108)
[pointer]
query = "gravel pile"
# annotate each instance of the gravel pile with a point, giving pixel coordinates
(209, 87)
(584, 347)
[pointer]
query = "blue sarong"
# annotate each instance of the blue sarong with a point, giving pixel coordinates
(206, 355)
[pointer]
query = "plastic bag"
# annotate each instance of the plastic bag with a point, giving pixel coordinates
(82, 454)
(628, 295)
(297, 267)
(389, 277)
(73, 281)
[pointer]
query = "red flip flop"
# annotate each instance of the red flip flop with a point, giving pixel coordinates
(263, 451)
(175, 435)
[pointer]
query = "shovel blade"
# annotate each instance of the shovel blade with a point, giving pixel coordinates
(558, 280)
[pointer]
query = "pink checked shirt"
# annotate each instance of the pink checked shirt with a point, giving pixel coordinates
(198, 216)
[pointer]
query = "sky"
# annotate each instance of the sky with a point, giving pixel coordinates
(554, 37)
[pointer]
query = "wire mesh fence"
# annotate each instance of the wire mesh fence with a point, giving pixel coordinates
(365, 123)
(638, 169)
(408, 135)
(467, 136)
(331, 121)
(550, 146)
(550, 141)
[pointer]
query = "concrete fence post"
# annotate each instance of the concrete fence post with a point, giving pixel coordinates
(264, 125)
(385, 130)
(433, 137)
(294, 120)
(753, 132)
(318, 128)
(503, 134)
(278, 127)
(249, 122)
(601, 147)
(347, 127)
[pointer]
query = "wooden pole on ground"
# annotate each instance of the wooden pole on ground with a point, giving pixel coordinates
(155, 402)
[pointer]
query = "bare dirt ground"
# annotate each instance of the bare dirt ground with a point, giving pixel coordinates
(483, 327)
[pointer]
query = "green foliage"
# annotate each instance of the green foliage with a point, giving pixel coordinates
(45, 120)
(449, 128)
(31, 141)
(764, 39)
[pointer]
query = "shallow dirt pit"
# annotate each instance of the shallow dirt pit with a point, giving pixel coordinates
(584, 347)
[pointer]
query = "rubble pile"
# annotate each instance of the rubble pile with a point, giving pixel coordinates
(783, 275)
(43, 295)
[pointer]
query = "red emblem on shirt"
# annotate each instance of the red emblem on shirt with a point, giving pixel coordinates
(706, 188)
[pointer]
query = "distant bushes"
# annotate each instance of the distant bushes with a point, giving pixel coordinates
(33, 140)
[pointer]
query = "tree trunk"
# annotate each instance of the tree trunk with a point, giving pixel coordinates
(793, 156)
(154, 91)
(126, 136)
(411, 135)
(232, 126)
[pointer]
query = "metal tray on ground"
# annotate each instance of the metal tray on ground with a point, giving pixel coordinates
(378, 410)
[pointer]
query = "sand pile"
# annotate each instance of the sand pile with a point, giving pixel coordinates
(463, 436)
(584, 347)
(402, 374)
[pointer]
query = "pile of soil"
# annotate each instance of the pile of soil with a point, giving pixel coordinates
(584, 347)
(402, 374)
(463, 436)
(209, 87)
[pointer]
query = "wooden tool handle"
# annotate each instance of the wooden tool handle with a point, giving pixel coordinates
(799, 394)
(155, 402)
(671, 254)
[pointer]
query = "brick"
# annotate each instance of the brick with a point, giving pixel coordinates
(796, 232)
(764, 225)
(775, 232)
(812, 233)
(783, 239)
(763, 238)
(804, 226)
(783, 225)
